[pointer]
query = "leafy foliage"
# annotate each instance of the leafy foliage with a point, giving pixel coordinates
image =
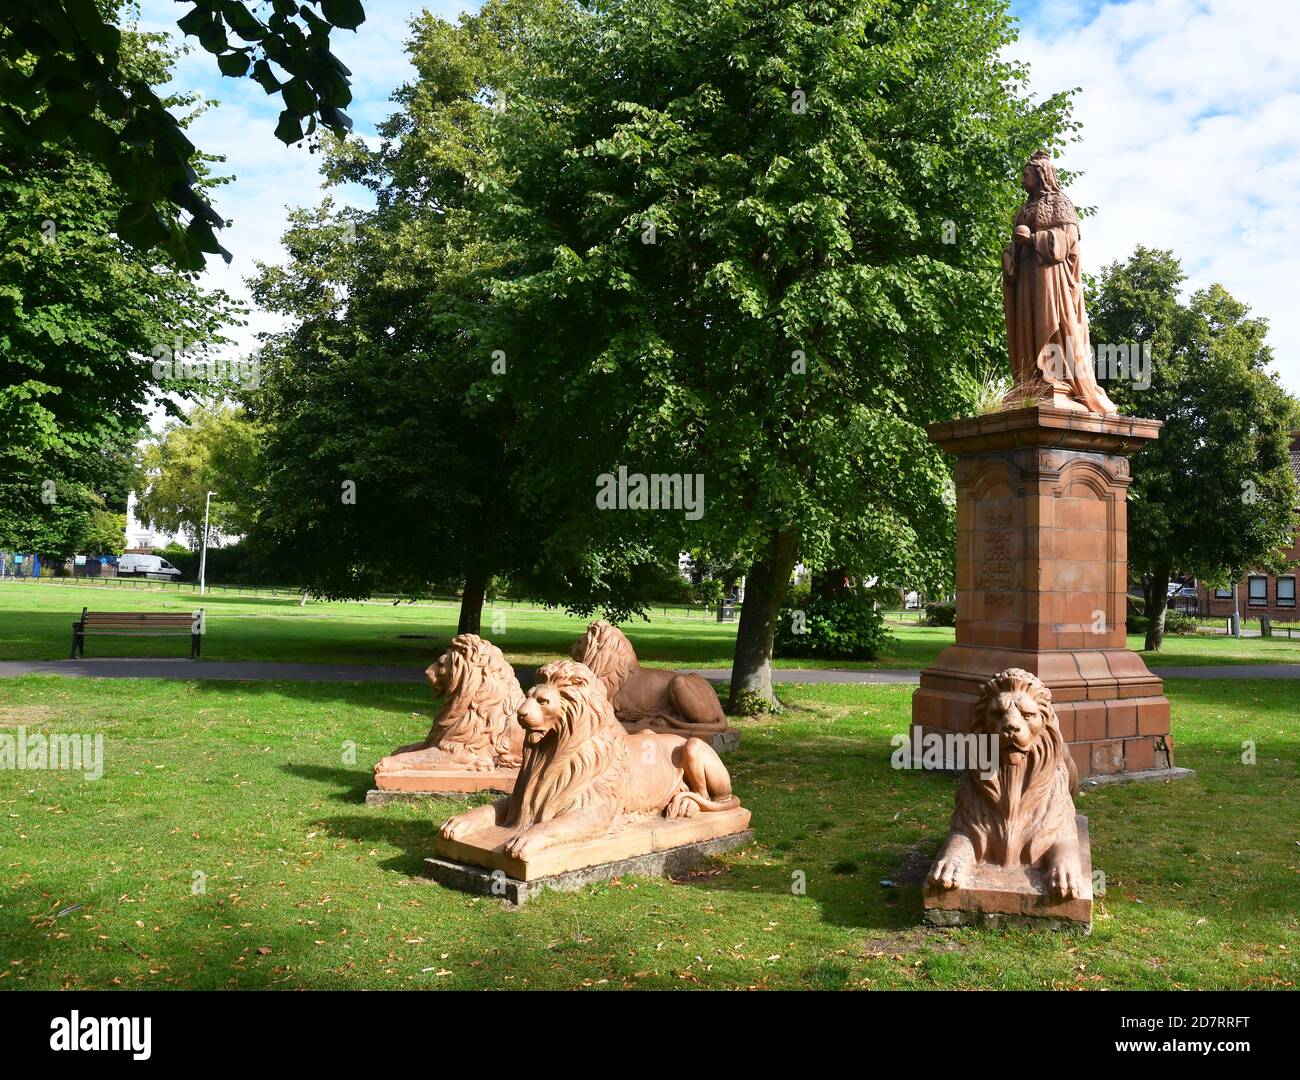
(216, 448)
(372, 385)
(1215, 494)
(383, 381)
(941, 613)
(846, 627)
(66, 82)
(746, 208)
(82, 314)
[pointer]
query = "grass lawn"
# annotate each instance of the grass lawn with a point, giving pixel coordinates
(36, 621)
(251, 784)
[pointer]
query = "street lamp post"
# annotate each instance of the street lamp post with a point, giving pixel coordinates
(203, 551)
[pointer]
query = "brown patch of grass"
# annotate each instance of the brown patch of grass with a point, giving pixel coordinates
(24, 715)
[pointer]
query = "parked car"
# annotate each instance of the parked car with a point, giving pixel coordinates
(154, 567)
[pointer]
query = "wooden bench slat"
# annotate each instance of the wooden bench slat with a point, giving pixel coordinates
(177, 632)
(132, 616)
(136, 624)
(168, 622)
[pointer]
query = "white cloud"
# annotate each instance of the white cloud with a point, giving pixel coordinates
(1190, 140)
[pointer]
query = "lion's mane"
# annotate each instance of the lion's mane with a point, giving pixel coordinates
(582, 765)
(478, 717)
(1011, 815)
(605, 649)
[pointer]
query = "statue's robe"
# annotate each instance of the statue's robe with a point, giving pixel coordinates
(1042, 295)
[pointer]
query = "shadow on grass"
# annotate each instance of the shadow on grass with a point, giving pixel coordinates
(386, 697)
(130, 956)
(351, 784)
(414, 837)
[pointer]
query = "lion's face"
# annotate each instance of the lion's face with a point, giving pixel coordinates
(541, 713)
(442, 673)
(578, 650)
(1015, 707)
(1016, 719)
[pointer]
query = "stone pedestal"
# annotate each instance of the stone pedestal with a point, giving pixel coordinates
(1012, 896)
(448, 783)
(1042, 582)
(668, 862)
(626, 840)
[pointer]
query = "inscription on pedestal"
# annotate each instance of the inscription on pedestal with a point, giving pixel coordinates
(995, 568)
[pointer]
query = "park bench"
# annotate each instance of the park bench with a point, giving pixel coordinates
(137, 624)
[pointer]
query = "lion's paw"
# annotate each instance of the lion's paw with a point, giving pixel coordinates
(522, 845)
(458, 827)
(1066, 881)
(948, 873)
(682, 806)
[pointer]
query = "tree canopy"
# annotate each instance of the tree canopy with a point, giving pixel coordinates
(83, 318)
(379, 382)
(215, 448)
(1215, 494)
(68, 83)
(753, 242)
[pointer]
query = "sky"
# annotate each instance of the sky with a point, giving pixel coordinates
(1190, 138)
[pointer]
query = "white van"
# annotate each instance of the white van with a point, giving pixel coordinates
(153, 567)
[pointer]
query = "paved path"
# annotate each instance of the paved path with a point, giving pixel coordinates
(267, 671)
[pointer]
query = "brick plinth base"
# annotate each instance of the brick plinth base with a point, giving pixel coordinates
(1042, 581)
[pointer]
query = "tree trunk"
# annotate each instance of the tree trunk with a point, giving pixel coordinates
(1155, 589)
(751, 665)
(471, 602)
(829, 584)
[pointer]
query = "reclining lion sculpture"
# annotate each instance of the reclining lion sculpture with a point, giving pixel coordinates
(476, 728)
(653, 699)
(583, 775)
(1021, 815)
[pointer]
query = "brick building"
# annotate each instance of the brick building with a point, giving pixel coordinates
(1260, 593)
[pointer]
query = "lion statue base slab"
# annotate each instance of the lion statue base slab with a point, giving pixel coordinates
(1016, 849)
(590, 794)
(475, 744)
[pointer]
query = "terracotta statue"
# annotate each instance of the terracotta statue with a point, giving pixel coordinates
(653, 699)
(1023, 814)
(583, 776)
(1042, 294)
(476, 729)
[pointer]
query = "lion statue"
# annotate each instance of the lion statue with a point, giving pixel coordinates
(1022, 814)
(582, 772)
(476, 728)
(647, 698)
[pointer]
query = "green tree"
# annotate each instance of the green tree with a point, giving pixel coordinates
(382, 472)
(82, 317)
(380, 384)
(68, 82)
(105, 533)
(752, 240)
(1215, 494)
(215, 448)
